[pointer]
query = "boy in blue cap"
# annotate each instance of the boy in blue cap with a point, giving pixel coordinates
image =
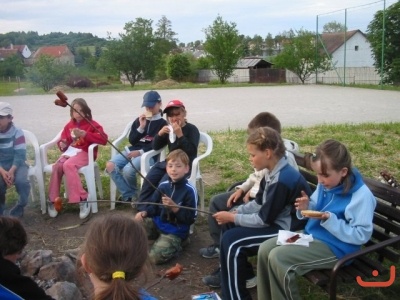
(142, 133)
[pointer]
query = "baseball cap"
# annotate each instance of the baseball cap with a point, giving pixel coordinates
(173, 103)
(5, 109)
(151, 98)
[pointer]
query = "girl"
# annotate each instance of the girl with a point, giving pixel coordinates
(347, 205)
(254, 222)
(115, 253)
(186, 136)
(78, 134)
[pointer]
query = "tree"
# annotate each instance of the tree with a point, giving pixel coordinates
(46, 72)
(300, 56)
(12, 66)
(134, 54)
(178, 67)
(333, 26)
(270, 44)
(224, 47)
(165, 36)
(391, 45)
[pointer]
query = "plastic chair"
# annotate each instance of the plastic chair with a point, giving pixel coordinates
(35, 170)
(195, 175)
(91, 171)
(116, 143)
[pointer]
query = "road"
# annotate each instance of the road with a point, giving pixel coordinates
(216, 109)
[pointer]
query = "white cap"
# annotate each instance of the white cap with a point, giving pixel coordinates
(5, 109)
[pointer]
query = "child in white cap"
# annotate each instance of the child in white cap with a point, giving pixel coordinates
(13, 167)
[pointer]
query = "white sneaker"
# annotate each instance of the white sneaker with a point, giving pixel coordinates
(84, 209)
(51, 210)
(250, 283)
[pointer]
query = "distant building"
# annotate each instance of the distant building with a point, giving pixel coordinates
(61, 53)
(248, 69)
(20, 50)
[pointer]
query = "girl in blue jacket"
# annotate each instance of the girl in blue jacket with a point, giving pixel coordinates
(346, 224)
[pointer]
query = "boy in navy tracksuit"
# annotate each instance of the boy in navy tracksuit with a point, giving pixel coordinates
(166, 223)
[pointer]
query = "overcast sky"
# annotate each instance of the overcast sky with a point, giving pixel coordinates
(188, 17)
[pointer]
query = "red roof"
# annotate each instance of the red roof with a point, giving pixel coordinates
(54, 51)
(4, 53)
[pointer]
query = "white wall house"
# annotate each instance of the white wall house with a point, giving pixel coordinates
(352, 60)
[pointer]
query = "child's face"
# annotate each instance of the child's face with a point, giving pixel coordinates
(258, 158)
(176, 115)
(176, 169)
(332, 178)
(75, 114)
(5, 122)
(155, 109)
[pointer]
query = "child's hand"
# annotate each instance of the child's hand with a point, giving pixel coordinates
(167, 201)
(63, 144)
(140, 216)
(164, 130)
(142, 121)
(302, 202)
(177, 129)
(246, 197)
(78, 132)
(8, 177)
(223, 217)
(234, 197)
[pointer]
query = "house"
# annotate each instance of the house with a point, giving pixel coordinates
(61, 53)
(352, 46)
(21, 50)
(248, 69)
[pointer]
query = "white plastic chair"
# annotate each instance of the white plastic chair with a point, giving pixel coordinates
(116, 143)
(91, 171)
(35, 171)
(195, 175)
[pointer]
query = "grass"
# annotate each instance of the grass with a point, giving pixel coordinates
(374, 147)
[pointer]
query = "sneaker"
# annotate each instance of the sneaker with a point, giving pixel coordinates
(120, 199)
(51, 210)
(251, 283)
(210, 252)
(84, 209)
(17, 211)
(213, 280)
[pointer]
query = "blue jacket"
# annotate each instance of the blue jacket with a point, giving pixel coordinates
(350, 223)
(183, 194)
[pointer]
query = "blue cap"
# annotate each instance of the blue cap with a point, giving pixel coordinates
(151, 98)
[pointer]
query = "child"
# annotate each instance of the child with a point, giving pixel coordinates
(78, 134)
(115, 254)
(346, 224)
(13, 169)
(256, 221)
(13, 239)
(170, 225)
(186, 137)
(142, 133)
(246, 191)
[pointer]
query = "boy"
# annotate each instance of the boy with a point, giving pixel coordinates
(142, 133)
(13, 239)
(13, 169)
(244, 192)
(169, 224)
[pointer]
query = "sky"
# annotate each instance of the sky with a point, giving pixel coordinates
(188, 18)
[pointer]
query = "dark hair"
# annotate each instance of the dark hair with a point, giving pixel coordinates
(13, 237)
(264, 119)
(333, 154)
(116, 243)
(267, 138)
(178, 154)
(86, 111)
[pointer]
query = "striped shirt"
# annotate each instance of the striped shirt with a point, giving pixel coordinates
(12, 147)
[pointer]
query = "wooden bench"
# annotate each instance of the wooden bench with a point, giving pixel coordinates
(379, 253)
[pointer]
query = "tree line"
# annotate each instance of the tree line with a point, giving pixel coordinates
(144, 51)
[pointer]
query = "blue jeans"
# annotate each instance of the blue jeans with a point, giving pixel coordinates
(124, 175)
(23, 189)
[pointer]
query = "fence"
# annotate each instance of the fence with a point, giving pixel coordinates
(264, 75)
